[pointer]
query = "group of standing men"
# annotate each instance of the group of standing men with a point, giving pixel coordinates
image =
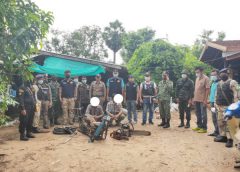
(48, 99)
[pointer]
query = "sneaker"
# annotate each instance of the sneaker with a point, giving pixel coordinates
(202, 131)
(196, 129)
(143, 123)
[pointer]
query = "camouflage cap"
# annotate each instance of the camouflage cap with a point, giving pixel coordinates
(184, 71)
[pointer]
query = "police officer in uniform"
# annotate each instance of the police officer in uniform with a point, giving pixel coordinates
(226, 95)
(68, 96)
(184, 95)
(115, 85)
(83, 94)
(27, 108)
(55, 109)
(45, 96)
(148, 89)
(98, 89)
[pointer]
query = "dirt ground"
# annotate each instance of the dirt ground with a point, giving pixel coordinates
(166, 150)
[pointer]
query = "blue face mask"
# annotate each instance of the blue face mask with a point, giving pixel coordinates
(213, 78)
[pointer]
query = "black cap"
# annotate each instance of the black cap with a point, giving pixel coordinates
(67, 71)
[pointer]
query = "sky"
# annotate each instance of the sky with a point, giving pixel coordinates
(179, 20)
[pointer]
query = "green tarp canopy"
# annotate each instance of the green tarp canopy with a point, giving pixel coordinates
(56, 66)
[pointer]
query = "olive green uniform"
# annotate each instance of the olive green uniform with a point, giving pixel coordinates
(165, 90)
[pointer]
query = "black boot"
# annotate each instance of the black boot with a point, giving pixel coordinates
(222, 139)
(30, 135)
(181, 124)
(23, 137)
(167, 125)
(187, 124)
(163, 123)
(229, 143)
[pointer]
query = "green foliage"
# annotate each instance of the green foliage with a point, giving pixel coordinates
(132, 40)
(204, 37)
(156, 57)
(22, 27)
(85, 42)
(4, 119)
(191, 62)
(113, 35)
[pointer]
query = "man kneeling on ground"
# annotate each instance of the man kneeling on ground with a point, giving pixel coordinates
(94, 112)
(114, 109)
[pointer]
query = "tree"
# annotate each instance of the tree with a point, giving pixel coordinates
(57, 42)
(86, 42)
(191, 62)
(113, 35)
(204, 37)
(132, 40)
(22, 27)
(156, 57)
(221, 36)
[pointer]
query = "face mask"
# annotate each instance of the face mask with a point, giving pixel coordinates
(213, 78)
(224, 77)
(40, 82)
(147, 78)
(184, 76)
(84, 81)
(68, 76)
(115, 74)
(75, 80)
(197, 75)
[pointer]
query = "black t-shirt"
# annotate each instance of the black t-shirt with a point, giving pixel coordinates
(131, 91)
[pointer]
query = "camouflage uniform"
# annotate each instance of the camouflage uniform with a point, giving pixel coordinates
(165, 90)
(98, 89)
(55, 109)
(83, 96)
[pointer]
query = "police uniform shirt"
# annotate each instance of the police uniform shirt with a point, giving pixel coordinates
(68, 88)
(97, 89)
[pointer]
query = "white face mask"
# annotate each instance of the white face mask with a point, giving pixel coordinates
(213, 78)
(198, 75)
(84, 81)
(40, 82)
(184, 76)
(75, 80)
(147, 78)
(115, 74)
